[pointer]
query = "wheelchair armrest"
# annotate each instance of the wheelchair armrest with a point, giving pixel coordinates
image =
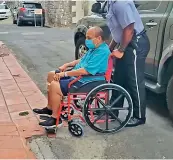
(96, 75)
(78, 78)
(73, 81)
(86, 87)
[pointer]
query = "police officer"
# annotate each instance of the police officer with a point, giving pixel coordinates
(128, 34)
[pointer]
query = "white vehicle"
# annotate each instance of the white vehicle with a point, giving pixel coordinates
(4, 11)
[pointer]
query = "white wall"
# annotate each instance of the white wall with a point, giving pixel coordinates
(80, 9)
(91, 2)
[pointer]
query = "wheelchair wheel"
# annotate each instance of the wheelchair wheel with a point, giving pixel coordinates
(76, 129)
(79, 106)
(113, 115)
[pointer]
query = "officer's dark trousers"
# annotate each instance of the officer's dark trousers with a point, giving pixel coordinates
(129, 73)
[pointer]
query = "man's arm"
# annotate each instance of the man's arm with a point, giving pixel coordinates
(78, 72)
(73, 63)
(73, 73)
(66, 65)
(92, 67)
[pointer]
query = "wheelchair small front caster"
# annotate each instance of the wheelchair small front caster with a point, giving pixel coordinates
(75, 129)
(51, 130)
(64, 116)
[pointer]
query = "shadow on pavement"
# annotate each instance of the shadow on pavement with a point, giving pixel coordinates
(157, 103)
(3, 19)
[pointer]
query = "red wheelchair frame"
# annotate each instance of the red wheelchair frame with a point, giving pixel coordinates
(70, 96)
(65, 106)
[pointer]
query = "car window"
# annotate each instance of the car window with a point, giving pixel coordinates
(147, 5)
(32, 6)
(3, 7)
(6, 7)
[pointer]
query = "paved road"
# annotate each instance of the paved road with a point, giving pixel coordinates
(42, 49)
(39, 49)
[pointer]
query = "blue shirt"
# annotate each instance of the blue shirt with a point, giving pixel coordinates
(95, 61)
(120, 15)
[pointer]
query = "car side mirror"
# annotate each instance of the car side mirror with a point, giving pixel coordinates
(137, 5)
(96, 7)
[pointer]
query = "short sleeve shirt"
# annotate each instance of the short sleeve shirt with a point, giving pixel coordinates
(95, 61)
(120, 15)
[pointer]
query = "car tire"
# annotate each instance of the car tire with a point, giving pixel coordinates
(79, 45)
(169, 97)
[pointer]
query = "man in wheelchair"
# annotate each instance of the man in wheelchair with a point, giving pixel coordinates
(95, 61)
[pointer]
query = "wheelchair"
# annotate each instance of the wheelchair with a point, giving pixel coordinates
(98, 111)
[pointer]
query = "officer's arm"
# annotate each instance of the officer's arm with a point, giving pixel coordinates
(112, 45)
(127, 35)
(125, 17)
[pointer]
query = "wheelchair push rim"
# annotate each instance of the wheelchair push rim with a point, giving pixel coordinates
(107, 110)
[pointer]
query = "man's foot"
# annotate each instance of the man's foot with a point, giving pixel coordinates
(45, 111)
(133, 122)
(51, 123)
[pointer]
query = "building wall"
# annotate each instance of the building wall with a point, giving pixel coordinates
(90, 3)
(63, 12)
(58, 13)
(81, 8)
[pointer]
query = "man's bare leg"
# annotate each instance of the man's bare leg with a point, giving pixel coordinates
(50, 78)
(48, 109)
(55, 100)
(56, 97)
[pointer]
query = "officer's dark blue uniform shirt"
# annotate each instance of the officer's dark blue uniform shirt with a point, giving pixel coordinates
(121, 14)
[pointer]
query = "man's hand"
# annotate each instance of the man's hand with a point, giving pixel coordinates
(63, 67)
(58, 76)
(117, 54)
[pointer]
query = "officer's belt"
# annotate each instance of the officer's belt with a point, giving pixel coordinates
(141, 33)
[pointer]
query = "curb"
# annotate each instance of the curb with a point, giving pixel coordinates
(23, 93)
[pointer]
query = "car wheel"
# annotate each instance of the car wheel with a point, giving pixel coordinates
(80, 48)
(19, 23)
(169, 97)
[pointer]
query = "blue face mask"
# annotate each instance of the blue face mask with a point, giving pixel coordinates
(89, 43)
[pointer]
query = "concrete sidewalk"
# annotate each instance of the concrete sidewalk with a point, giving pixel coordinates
(18, 96)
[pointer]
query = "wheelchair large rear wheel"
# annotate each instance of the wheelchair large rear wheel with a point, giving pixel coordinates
(114, 113)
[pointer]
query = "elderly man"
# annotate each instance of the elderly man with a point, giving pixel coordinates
(128, 31)
(95, 61)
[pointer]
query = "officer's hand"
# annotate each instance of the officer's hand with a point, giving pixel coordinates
(117, 54)
(58, 76)
(63, 68)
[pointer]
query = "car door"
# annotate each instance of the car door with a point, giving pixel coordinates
(152, 14)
